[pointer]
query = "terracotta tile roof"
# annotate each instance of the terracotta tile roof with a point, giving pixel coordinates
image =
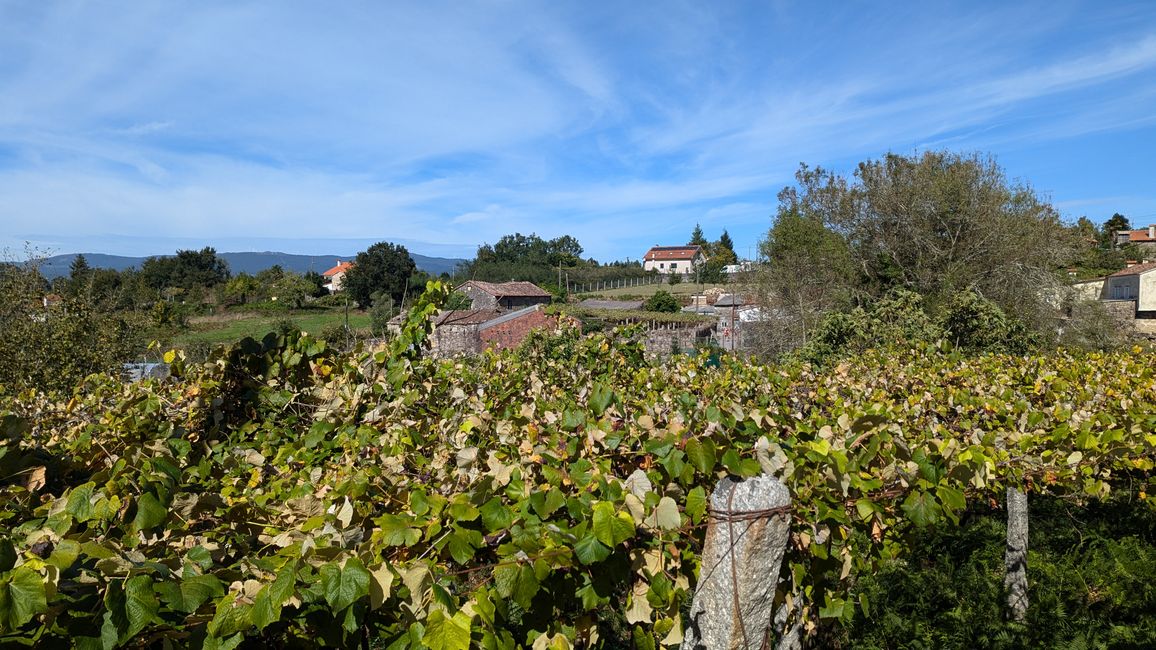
(663, 253)
(1135, 270)
(1138, 235)
(466, 316)
(341, 267)
(509, 289)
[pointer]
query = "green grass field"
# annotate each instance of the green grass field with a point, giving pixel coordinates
(214, 330)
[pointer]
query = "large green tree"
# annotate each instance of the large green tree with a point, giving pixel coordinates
(383, 268)
(1114, 223)
(809, 272)
(50, 346)
(936, 224)
(186, 270)
(526, 257)
(725, 242)
(942, 222)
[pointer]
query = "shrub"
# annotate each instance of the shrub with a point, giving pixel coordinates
(285, 326)
(975, 323)
(1091, 327)
(662, 301)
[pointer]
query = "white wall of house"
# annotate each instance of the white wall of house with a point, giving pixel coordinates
(335, 281)
(1089, 289)
(667, 267)
(1147, 300)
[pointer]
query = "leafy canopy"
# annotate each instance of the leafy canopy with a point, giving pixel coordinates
(382, 268)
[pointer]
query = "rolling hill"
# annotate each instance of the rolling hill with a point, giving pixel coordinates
(249, 262)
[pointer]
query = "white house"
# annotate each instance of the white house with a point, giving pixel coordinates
(335, 276)
(1136, 283)
(674, 259)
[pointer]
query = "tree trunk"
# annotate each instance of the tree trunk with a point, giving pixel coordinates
(1016, 557)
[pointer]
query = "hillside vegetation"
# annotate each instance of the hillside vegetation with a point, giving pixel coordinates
(285, 494)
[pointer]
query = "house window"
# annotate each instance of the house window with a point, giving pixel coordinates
(673, 265)
(1122, 292)
(661, 265)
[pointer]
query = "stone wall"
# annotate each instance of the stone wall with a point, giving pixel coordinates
(1123, 311)
(660, 341)
(452, 340)
(479, 299)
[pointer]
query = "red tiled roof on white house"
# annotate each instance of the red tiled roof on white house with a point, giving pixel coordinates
(336, 276)
(1142, 236)
(674, 259)
(341, 267)
(669, 253)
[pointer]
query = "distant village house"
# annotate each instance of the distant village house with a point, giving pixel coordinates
(1144, 238)
(669, 260)
(335, 276)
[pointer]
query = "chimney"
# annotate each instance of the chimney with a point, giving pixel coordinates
(1151, 232)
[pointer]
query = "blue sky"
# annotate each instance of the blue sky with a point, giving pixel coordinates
(142, 127)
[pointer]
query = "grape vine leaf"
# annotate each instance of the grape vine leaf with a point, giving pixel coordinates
(443, 632)
(342, 585)
(589, 550)
(611, 527)
(22, 596)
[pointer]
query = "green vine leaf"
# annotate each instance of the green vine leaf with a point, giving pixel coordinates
(343, 585)
(610, 526)
(443, 632)
(22, 596)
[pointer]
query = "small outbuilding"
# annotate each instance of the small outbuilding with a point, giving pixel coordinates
(504, 295)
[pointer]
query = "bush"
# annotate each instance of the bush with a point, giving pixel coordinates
(1091, 327)
(285, 326)
(975, 323)
(339, 336)
(170, 315)
(458, 300)
(897, 320)
(332, 300)
(1091, 574)
(662, 301)
(673, 279)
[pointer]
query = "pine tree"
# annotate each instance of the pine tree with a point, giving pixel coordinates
(79, 269)
(724, 241)
(696, 237)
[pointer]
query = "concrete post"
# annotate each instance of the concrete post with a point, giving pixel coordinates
(733, 606)
(1016, 556)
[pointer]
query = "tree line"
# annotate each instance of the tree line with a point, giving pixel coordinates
(94, 319)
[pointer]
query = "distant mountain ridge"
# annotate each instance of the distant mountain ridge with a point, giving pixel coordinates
(252, 262)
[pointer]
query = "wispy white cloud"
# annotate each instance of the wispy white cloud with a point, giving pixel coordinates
(456, 124)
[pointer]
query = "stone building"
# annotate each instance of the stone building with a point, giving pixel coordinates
(504, 295)
(471, 331)
(1136, 284)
